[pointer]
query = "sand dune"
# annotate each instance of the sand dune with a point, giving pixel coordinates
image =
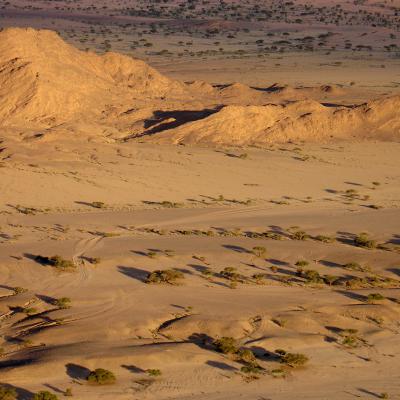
(305, 120)
(47, 84)
(188, 271)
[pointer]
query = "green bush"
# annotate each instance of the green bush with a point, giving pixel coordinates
(259, 251)
(302, 263)
(252, 369)
(372, 297)
(294, 360)
(63, 302)
(154, 372)
(362, 240)
(55, 261)
(300, 235)
(44, 395)
(324, 239)
(247, 356)
(226, 345)
(7, 393)
(310, 275)
(101, 376)
(230, 273)
(169, 276)
(98, 204)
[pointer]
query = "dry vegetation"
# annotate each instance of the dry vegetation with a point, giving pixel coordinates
(265, 264)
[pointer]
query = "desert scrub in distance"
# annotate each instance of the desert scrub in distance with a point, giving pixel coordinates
(56, 262)
(363, 240)
(44, 395)
(373, 297)
(300, 235)
(259, 251)
(8, 393)
(294, 360)
(226, 345)
(324, 239)
(63, 302)
(97, 204)
(153, 372)
(101, 376)
(170, 276)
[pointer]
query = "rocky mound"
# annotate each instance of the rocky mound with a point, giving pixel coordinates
(45, 81)
(48, 85)
(301, 120)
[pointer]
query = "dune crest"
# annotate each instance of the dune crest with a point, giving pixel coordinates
(301, 120)
(47, 84)
(44, 80)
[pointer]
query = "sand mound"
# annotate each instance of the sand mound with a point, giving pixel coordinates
(301, 120)
(47, 84)
(44, 80)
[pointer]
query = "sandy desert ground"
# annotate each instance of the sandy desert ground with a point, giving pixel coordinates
(198, 240)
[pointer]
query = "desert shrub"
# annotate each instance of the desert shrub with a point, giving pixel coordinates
(294, 360)
(330, 279)
(63, 302)
(30, 310)
(98, 204)
(324, 239)
(226, 345)
(68, 392)
(353, 266)
(279, 321)
(101, 376)
(259, 251)
(7, 393)
(300, 235)
(93, 260)
(350, 341)
(154, 372)
(350, 338)
(247, 356)
(302, 263)
(363, 240)
(310, 275)
(44, 395)
(55, 261)
(207, 272)
(170, 204)
(372, 297)
(230, 273)
(200, 258)
(258, 278)
(278, 373)
(272, 235)
(169, 276)
(252, 369)
(18, 290)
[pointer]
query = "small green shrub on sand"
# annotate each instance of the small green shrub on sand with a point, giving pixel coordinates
(101, 376)
(294, 360)
(7, 393)
(153, 372)
(170, 276)
(363, 240)
(44, 395)
(56, 262)
(226, 345)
